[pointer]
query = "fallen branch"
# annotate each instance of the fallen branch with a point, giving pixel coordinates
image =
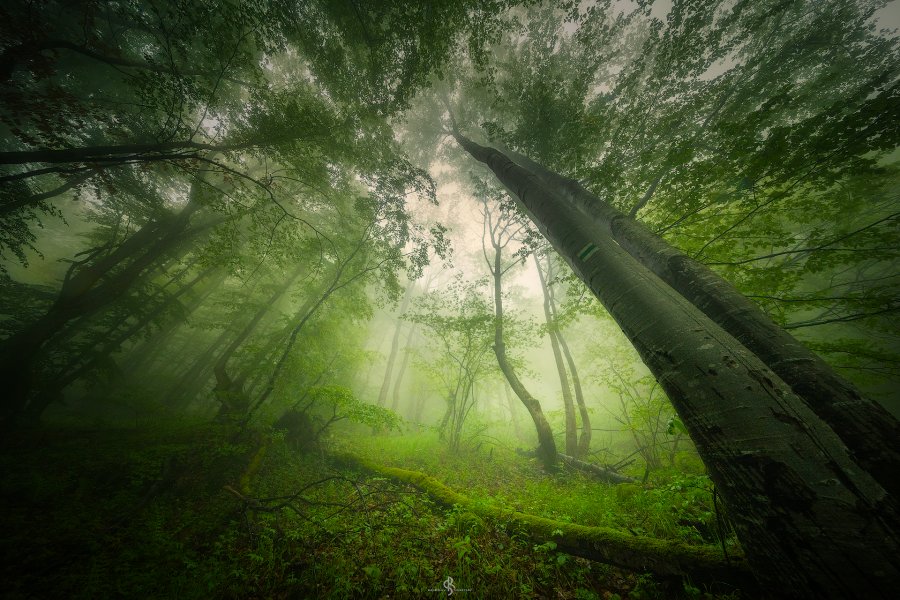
(703, 564)
(607, 475)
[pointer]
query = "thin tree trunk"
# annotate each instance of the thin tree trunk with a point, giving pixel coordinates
(395, 401)
(546, 444)
(395, 345)
(568, 403)
(228, 389)
(811, 522)
(870, 432)
(584, 441)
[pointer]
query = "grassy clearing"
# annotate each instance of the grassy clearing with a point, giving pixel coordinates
(90, 514)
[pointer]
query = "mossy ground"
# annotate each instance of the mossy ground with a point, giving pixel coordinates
(125, 513)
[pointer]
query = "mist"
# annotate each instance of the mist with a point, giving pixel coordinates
(501, 299)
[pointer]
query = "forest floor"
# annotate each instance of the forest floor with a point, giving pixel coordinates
(199, 511)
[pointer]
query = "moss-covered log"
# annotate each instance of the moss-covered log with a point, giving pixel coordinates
(666, 558)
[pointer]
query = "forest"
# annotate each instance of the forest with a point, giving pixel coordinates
(563, 299)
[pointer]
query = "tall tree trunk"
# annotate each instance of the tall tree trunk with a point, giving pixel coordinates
(811, 522)
(395, 400)
(395, 345)
(546, 445)
(870, 432)
(568, 403)
(584, 441)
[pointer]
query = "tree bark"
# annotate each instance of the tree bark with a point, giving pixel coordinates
(568, 403)
(812, 523)
(870, 432)
(546, 443)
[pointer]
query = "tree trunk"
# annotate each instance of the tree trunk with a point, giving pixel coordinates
(546, 444)
(870, 432)
(811, 522)
(568, 403)
(395, 345)
(82, 294)
(395, 401)
(230, 390)
(584, 441)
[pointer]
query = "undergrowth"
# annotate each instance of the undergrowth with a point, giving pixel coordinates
(200, 512)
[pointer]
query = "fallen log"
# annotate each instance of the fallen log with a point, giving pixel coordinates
(607, 475)
(602, 473)
(666, 558)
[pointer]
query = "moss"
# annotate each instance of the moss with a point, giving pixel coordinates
(603, 544)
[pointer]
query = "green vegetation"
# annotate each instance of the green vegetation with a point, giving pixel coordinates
(503, 298)
(184, 513)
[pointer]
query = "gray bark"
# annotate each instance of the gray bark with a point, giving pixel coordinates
(870, 432)
(812, 523)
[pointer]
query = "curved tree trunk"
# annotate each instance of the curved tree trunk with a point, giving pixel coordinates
(870, 432)
(546, 444)
(811, 522)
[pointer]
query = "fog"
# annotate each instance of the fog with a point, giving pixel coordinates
(359, 299)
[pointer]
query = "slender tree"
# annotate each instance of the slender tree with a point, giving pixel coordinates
(499, 230)
(568, 402)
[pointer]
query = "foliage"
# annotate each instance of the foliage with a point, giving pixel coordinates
(354, 535)
(459, 322)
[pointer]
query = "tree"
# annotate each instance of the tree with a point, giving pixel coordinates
(757, 438)
(736, 124)
(501, 226)
(460, 324)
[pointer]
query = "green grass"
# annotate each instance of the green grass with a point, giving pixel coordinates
(125, 513)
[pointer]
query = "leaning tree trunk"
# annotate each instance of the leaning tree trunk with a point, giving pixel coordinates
(85, 291)
(568, 403)
(812, 523)
(870, 432)
(229, 390)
